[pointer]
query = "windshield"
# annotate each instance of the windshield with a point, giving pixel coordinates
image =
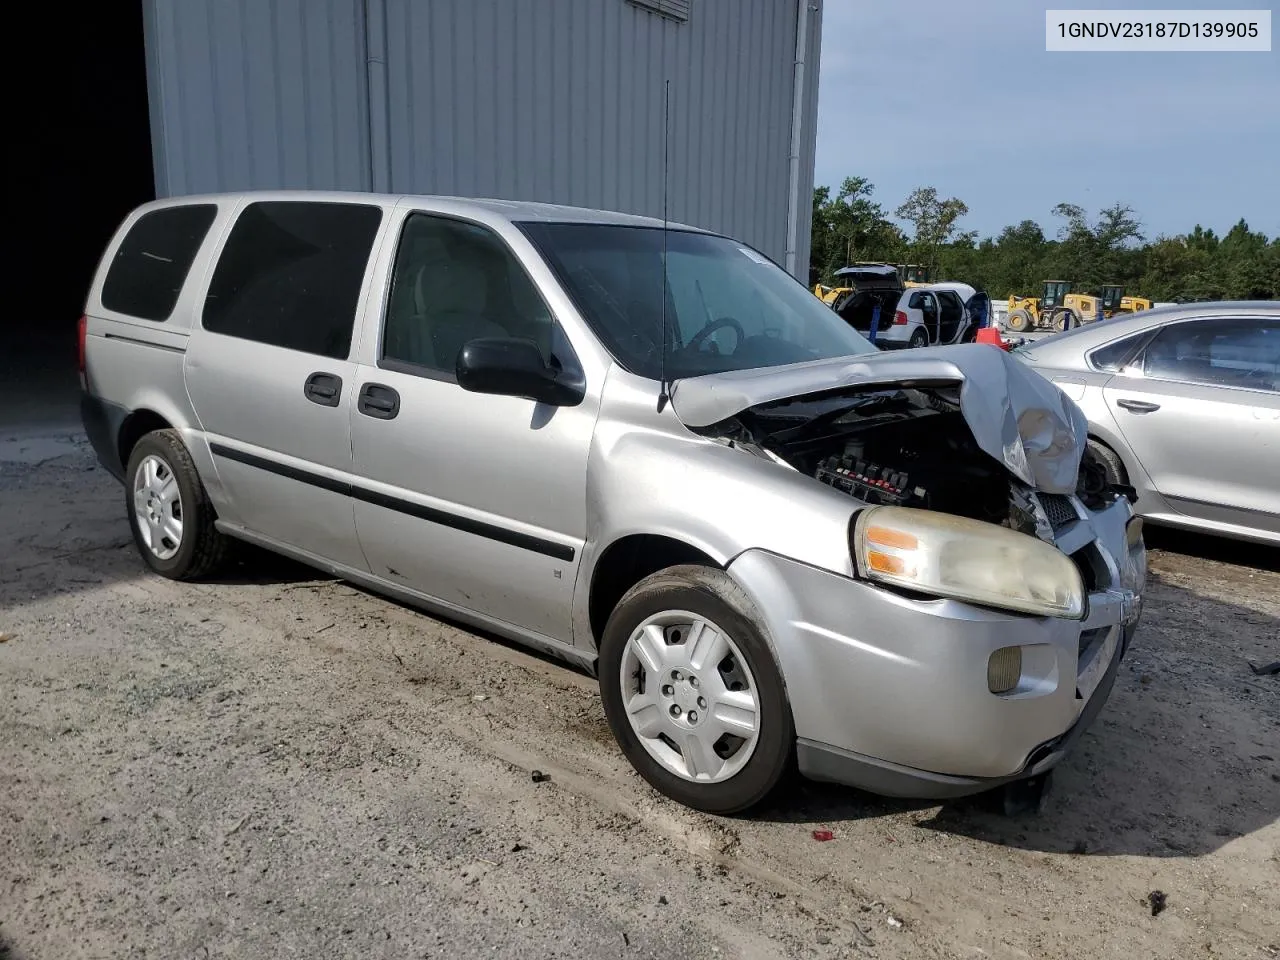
(727, 306)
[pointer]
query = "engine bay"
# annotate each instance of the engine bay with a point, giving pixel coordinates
(911, 447)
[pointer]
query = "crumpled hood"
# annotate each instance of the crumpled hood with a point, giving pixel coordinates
(1016, 416)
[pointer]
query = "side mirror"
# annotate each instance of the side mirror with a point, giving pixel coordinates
(513, 367)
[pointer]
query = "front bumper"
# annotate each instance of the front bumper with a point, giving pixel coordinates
(890, 693)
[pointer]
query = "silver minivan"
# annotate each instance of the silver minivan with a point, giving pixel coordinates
(643, 448)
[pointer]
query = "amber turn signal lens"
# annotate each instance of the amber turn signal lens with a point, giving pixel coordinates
(888, 563)
(888, 537)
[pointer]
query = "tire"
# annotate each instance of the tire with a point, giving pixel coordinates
(742, 772)
(919, 337)
(1116, 473)
(1019, 321)
(1062, 317)
(197, 548)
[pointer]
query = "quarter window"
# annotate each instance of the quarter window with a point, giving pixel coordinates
(290, 275)
(1220, 352)
(455, 282)
(151, 264)
(1112, 357)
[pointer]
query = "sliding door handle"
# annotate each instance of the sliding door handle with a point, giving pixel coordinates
(378, 401)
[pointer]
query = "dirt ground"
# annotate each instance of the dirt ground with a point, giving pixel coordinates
(278, 765)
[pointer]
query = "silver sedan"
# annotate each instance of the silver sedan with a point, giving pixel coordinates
(1184, 406)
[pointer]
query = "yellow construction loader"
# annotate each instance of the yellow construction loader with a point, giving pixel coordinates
(1058, 308)
(1114, 301)
(1026, 313)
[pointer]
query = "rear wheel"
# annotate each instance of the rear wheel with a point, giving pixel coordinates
(919, 337)
(1063, 318)
(692, 693)
(1019, 321)
(169, 512)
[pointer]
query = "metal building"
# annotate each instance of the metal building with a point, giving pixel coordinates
(555, 100)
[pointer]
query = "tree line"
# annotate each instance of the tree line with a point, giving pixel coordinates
(1110, 248)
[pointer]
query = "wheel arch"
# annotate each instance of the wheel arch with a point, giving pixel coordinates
(135, 426)
(1105, 439)
(628, 560)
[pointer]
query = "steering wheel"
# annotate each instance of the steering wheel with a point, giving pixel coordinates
(696, 341)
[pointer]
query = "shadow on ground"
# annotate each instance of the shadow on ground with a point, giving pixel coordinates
(1208, 547)
(1147, 778)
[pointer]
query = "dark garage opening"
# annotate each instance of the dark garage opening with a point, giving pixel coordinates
(80, 161)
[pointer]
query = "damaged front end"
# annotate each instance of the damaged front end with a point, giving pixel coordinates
(996, 575)
(968, 433)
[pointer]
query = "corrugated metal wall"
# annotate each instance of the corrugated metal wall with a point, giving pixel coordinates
(257, 93)
(557, 100)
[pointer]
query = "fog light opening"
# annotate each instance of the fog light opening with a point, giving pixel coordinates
(1004, 669)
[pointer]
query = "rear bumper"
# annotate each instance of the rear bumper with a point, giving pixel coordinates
(102, 421)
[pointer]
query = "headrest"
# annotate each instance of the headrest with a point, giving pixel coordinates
(444, 285)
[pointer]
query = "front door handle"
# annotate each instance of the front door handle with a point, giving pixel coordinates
(378, 401)
(1138, 406)
(324, 389)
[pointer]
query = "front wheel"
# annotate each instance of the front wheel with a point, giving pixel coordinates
(1019, 321)
(692, 693)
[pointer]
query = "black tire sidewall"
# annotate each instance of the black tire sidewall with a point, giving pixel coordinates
(776, 742)
(919, 338)
(169, 449)
(1116, 472)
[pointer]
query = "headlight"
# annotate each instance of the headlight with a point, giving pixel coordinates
(966, 559)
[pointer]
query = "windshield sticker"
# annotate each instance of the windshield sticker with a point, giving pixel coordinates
(752, 255)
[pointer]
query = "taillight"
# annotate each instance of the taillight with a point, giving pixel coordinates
(82, 331)
(899, 318)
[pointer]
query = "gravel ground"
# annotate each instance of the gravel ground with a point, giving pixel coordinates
(276, 765)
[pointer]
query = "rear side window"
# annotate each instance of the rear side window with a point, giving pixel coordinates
(290, 275)
(1114, 356)
(149, 268)
(1217, 352)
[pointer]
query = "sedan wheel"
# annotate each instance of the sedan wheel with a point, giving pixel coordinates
(690, 696)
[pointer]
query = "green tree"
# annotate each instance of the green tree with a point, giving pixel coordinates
(933, 221)
(849, 228)
(1109, 248)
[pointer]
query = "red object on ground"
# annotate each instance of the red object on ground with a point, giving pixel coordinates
(992, 336)
(823, 835)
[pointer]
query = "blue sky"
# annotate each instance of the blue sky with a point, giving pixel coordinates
(964, 97)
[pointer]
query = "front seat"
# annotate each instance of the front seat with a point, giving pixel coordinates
(450, 297)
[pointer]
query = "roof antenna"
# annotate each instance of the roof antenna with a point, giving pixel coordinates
(664, 388)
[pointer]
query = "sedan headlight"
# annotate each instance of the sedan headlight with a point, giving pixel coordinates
(949, 556)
